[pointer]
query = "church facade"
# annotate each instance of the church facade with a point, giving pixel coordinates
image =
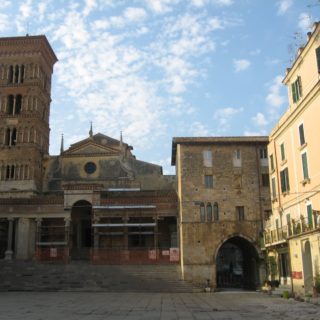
(94, 201)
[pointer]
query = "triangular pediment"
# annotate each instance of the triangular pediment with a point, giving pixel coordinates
(90, 146)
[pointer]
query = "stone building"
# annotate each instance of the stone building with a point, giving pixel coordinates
(93, 201)
(223, 191)
(292, 236)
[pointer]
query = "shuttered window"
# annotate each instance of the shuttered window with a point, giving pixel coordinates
(305, 166)
(284, 177)
(318, 58)
(301, 135)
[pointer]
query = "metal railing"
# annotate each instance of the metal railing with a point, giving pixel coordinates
(295, 227)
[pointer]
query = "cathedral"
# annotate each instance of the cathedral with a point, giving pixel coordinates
(94, 201)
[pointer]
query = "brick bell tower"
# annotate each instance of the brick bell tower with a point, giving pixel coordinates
(26, 66)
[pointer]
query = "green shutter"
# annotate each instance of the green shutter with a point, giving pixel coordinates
(294, 92)
(299, 88)
(301, 135)
(310, 218)
(305, 166)
(318, 58)
(286, 171)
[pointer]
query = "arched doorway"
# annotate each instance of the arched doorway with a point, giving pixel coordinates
(237, 264)
(307, 267)
(81, 230)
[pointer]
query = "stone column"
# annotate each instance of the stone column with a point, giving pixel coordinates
(23, 238)
(9, 252)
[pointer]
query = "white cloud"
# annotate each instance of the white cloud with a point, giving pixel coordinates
(305, 22)
(274, 97)
(89, 6)
(198, 3)
(198, 129)
(260, 120)
(161, 6)
(241, 64)
(223, 2)
(283, 6)
(225, 116)
(4, 22)
(4, 4)
(135, 14)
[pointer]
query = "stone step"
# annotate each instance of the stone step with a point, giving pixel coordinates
(82, 276)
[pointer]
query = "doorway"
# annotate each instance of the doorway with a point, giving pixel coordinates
(237, 264)
(81, 230)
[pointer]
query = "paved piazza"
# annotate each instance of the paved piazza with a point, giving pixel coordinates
(226, 306)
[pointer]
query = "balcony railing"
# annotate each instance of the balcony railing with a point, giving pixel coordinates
(296, 227)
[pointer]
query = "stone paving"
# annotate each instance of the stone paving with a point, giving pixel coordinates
(149, 306)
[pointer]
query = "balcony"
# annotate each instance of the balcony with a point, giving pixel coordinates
(296, 227)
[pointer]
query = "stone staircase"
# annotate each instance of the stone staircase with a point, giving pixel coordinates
(84, 277)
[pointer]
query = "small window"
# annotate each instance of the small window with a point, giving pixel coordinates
(207, 158)
(208, 181)
(301, 135)
(271, 162)
(209, 212)
(282, 152)
(202, 213)
(263, 153)
(215, 212)
(265, 180)
(237, 158)
(296, 90)
(284, 177)
(240, 213)
(305, 166)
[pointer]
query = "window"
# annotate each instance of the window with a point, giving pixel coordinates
(296, 90)
(301, 135)
(208, 181)
(284, 177)
(237, 158)
(318, 58)
(90, 167)
(240, 213)
(215, 212)
(310, 215)
(271, 162)
(305, 166)
(282, 152)
(14, 104)
(207, 158)
(10, 172)
(209, 212)
(265, 180)
(11, 137)
(263, 153)
(273, 188)
(202, 213)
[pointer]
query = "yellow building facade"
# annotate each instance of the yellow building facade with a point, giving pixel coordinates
(292, 231)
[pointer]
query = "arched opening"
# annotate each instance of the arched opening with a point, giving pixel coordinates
(81, 230)
(237, 264)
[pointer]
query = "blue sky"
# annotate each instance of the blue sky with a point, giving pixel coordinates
(156, 69)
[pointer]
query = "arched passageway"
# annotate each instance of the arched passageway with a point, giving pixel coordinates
(237, 264)
(81, 230)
